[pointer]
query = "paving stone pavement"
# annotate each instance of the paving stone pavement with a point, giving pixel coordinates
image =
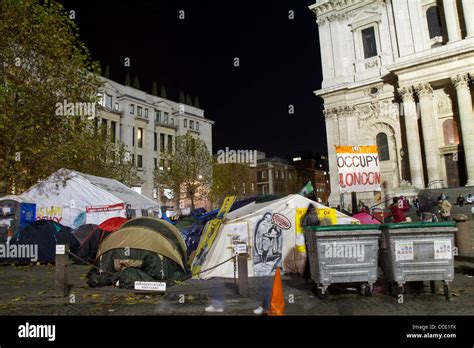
(28, 290)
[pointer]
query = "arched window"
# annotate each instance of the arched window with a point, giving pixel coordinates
(434, 22)
(382, 145)
(450, 132)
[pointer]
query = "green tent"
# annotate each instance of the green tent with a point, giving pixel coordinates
(143, 249)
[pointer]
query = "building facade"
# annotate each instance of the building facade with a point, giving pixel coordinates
(148, 125)
(397, 74)
(315, 170)
(275, 176)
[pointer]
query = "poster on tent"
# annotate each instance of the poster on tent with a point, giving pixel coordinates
(358, 168)
(323, 213)
(99, 213)
(268, 243)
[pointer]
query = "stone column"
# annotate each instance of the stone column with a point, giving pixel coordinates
(271, 184)
(468, 11)
(413, 137)
(463, 94)
(451, 18)
(425, 94)
(332, 140)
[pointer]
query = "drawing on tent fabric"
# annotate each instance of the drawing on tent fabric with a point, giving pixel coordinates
(54, 212)
(267, 246)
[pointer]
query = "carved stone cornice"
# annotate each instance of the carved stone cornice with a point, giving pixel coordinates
(330, 10)
(406, 93)
(424, 90)
(460, 81)
(381, 108)
(338, 112)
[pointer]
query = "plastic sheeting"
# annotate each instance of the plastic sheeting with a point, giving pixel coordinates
(72, 198)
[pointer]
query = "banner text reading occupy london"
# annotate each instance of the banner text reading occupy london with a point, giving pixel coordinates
(358, 168)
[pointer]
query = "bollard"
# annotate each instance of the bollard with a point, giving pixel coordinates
(463, 235)
(61, 286)
(243, 275)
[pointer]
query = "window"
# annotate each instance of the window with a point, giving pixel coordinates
(146, 113)
(113, 126)
(252, 186)
(166, 117)
(191, 124)
(162, 165)
(139, 110)
(155, 163)
(133, 136)
(172, 121)
(382, 145)
(139, 161)
(117, 107)
(368, 41)
(140, 137)
(282, 175)
(133, 158)
(264, 189)
(132, 109)
(185, 123)
(157, 116)
(162, 142)
(101, 98)
(450, 132)
(108, 101)
(170, 143)
(197, 126)
(434, 22)
(264, 174)
(155, 141)
(276, 174)
(243, 188)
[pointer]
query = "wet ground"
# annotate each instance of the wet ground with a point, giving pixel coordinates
(28, 290)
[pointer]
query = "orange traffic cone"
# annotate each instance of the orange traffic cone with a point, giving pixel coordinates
(277, 303)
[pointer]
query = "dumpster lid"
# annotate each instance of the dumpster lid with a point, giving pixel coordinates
(342, 227)
(402, 225)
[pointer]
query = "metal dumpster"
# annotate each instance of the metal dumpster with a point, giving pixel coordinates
(343, 254)
(418, 251)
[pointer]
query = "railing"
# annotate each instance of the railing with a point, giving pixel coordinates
(435, 184)
(166, 124)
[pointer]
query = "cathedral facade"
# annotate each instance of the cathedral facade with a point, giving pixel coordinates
(398, 74)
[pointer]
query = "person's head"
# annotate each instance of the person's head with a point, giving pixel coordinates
(395, 200)
(267, 217)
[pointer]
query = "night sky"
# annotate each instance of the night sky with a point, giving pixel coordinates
(279, 63)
